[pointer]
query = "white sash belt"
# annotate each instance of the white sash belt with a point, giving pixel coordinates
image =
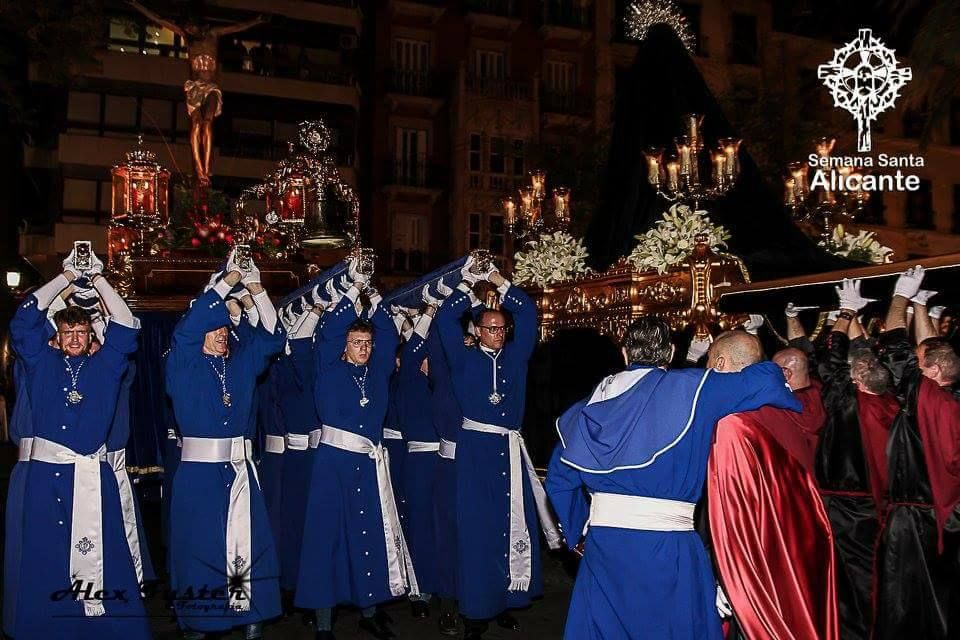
(392, 434)
(415, 446)
(237, 452)
(275, 444)
(118, 460)
(298, 441)
(399, 566)
(26, 447)
(86, 534)
(447, 449)
(640, 513)
(314, 438)
(520, 557)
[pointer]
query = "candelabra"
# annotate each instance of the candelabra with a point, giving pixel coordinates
(677, 177)
(531, 213)
(821, 204)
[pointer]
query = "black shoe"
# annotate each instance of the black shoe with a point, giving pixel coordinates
(308, 619)
(507, 621)
(447, 624)
(324, 635)
(419, 609)
(377, 627)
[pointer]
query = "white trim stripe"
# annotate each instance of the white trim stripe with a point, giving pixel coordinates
(653, 458)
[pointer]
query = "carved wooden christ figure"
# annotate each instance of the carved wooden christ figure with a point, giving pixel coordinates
(203, 96)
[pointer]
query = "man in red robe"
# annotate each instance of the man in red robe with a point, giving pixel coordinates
(771, 536)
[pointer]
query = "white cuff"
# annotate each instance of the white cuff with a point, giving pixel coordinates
(223, 289)
(423, 326)
(503, 288)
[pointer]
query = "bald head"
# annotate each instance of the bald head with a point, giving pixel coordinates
(795, 366)
(734, 350)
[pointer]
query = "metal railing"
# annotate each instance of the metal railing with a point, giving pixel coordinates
(499, 88)
(416, 83)
(567, 14)
(504, 8)
(423, 174)
(574, 104)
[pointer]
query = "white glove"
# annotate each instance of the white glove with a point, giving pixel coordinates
(936, 312)
(723, 605)
(443, 289)
(239, 295)
(353, 271)
(252, 276)
(923, 296)
(493, 269)
(697, 349)
(212, 281)
(96, 266)
(343, 284)
(333, 293)
(429, 299)
(69, 266)
(753, 324)
(315, 298)
(849, 295)
(468, 276)
(908, 284)
(232, 264)
(792, 310)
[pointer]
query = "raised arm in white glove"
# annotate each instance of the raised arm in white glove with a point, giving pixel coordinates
(792, 310)
(753, 323)
(908, 284)
(923, 296)
(849, 295)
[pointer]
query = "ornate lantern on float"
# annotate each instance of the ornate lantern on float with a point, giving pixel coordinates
(140, 203)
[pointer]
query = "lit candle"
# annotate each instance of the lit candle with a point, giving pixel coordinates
(693, 130)
(654, 157)
(509, 211)
(673, 176)
(719, 169)
(537, 180)
(824, 146)
(789, 191)
(798, 171)
(683, 150)
(561, 204)
(731, 149)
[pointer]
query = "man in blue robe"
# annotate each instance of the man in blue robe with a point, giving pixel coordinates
(76, 577)
(499, 497)
(419, 469)
(223, 564)
(354, 551)
(639, 446)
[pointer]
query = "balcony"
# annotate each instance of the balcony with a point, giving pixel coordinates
(411, 178)
(494, 15)
(566, 21)
(341, 12)
(431, 9)
(422, 90)
(316, 83)
(499, 89)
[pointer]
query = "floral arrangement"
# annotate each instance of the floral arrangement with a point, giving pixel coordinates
(863, 247)
(552, 257)
(673, 238)
(208, 227)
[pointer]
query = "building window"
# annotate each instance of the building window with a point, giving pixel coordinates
(411, 60)
(473, 232)
(692, 13)
(121, 112)
(496, 239)
(409, 242)
(83, 108)
(490, 65)
(919, 206)
(411, 156)
(476, 152)
(518, 156)
(743, 39)
(560, 77)
(956, 208)
(497, 162)
(130, 35)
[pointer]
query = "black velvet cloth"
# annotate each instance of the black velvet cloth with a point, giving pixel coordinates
(918, 588)
(664, 85)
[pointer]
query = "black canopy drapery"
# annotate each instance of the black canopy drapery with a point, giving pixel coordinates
(664, 85)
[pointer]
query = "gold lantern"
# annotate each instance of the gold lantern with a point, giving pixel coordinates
(140, 189)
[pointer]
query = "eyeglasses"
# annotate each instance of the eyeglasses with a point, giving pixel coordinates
(360, 343)
(493, 329)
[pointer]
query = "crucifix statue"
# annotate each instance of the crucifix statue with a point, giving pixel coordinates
(203, 96)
